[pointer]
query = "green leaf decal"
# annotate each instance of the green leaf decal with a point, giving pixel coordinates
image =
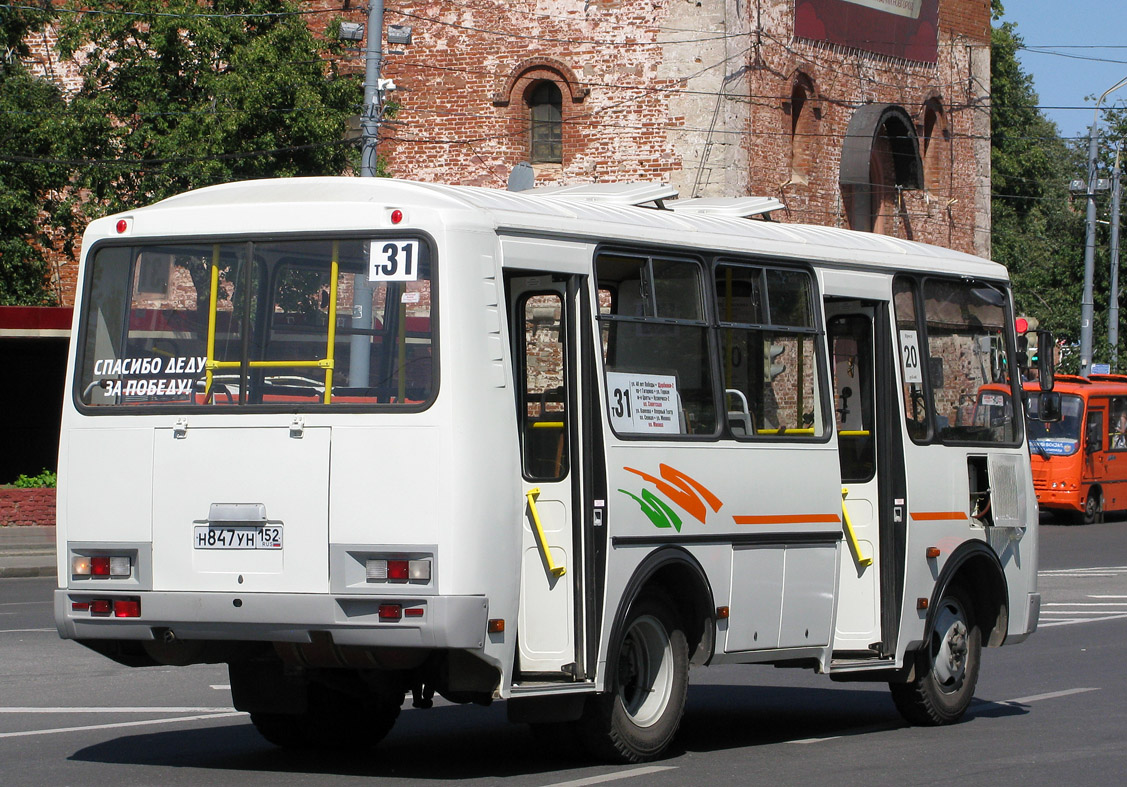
(656, 509)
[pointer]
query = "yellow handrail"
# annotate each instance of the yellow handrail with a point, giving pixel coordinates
(556, 571)
(861, 561)
(854, 432)
(548, 425)
(327, 363)
(335, 270)
(211, 321)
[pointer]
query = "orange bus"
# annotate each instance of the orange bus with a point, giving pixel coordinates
(1080, 462)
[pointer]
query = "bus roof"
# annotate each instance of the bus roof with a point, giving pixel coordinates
(1095, 385)
(343, 203)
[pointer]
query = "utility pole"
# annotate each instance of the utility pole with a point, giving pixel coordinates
(373, 100)
(1113, 307)
(1086, 304)
(360, 348)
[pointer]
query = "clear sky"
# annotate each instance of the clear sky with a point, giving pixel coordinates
(1075, 40)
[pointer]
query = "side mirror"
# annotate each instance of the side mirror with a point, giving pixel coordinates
(1046, 361)
(1095, 437)
(1049, 407)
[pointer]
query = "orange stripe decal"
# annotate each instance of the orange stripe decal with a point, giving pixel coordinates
(938, 516)
(789, 519)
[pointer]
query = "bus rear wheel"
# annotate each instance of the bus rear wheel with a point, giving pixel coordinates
(638, 718)
(332, 720)
(944, 684)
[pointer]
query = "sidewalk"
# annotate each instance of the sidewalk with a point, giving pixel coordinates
(27, 551)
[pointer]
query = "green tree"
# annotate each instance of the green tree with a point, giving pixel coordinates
(33, 209)
(179, 94)
(1036, 231)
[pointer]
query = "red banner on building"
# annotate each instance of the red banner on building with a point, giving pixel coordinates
(907, 29)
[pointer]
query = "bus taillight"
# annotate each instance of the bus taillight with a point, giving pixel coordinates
(127, 608)
(113, 566)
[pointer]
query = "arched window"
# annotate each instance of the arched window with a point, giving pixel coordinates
(545, 114)
(879, 159)
(804, 118)
(936, 141)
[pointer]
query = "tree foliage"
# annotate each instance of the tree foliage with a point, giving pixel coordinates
(1036, 231)
(179, 94)
(31, 201)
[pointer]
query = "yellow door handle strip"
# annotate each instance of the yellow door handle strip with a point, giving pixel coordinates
(556, 571)
(861, 561)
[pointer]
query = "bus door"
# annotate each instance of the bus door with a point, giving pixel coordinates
(545, 329)
(872, 468)
(1095, 445)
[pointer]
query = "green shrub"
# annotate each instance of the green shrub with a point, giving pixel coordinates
(46, 478)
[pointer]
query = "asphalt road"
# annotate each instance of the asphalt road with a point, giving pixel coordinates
(1050, 711)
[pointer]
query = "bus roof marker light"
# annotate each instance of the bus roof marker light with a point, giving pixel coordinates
(396, 216)
(122, 226)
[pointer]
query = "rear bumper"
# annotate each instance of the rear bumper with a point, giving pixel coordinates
(445, 622)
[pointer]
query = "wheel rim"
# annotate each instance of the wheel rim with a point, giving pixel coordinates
(950, 652)
(1092, 505)
(645, 671)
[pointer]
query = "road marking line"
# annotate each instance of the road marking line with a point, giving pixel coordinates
(24, 603)
(29, 733)
(136, 709)
(1091, 596)
(1019, 701)
(1052, 695)
(1052, 623)
(1082, 570)
(22, 631)
(221, 686)
(613, 777)
(1085, 604)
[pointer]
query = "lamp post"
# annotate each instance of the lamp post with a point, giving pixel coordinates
(1113, 296)
(1086, 304)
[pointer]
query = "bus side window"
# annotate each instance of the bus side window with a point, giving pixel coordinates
(768, 351)
(656, 345)
(545, 393)
(911, 364)
(1117, 424)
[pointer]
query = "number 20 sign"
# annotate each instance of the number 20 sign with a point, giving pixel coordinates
(393, 260)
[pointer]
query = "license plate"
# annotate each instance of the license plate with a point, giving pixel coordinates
(257, 537)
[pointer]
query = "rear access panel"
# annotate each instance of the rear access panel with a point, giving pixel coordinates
(241, 509)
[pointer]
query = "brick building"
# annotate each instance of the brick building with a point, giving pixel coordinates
(869, 114)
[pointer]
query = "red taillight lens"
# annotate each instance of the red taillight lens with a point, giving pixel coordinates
(390, 612)
(413, 612)
(127, 608)
(101, 606)
(100, 566)
(398, 569)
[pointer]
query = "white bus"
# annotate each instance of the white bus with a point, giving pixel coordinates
(365, 438)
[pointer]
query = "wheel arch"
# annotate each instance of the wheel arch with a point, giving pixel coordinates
(975, 567)
(678, 574)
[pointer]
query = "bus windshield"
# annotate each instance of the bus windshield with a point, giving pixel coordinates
(293, 323)
(1059, 438)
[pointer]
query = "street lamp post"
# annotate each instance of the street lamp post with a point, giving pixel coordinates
(1086, 302)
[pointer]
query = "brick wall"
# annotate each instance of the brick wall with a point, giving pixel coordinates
(27, 507)
(696, 94)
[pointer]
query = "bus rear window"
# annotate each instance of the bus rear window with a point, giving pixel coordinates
(287, 324)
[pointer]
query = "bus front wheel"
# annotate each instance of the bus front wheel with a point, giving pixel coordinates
(946, 677)
(637, 719)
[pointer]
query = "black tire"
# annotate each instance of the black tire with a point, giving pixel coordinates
(1093, 508)
(947, 674)
(638, 718)
(332, 720)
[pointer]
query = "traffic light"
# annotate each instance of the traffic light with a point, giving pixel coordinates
(770, 353)
(1023, 326)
